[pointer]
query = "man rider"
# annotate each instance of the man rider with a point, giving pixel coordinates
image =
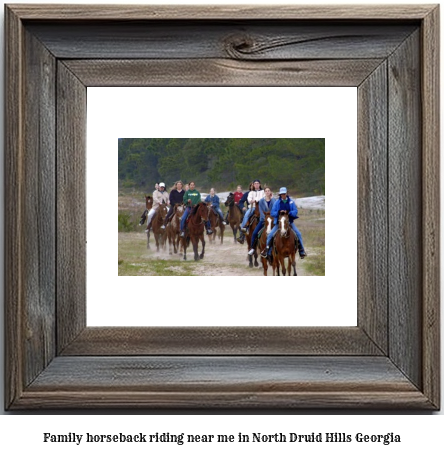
(282, 205)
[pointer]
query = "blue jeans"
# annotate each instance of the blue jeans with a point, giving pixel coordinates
(247, 216)
(293, 226)
(256, 232)
(219, 211)
(184, 217)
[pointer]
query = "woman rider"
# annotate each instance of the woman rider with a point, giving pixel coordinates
(190, 199)
(282, 205)
(160, 196)
(176, 197)
(253, 198)
(215, 204)
(265, 205)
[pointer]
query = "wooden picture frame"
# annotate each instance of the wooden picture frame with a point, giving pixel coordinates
(390, 360)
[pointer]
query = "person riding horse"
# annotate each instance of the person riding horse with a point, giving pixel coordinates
(265, 205)
(191, 198)
(284, 205)
(160, 196)
(215, 204)
(238, 194)
(176, 197)
(253, 198)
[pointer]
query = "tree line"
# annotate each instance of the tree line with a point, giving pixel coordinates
(224, 163)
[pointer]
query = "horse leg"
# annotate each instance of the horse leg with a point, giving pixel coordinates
(170, 241)
(255, 259)
(293, 263)
(195, 247)
(184, 245)
(234, 228)
(203, 247)
(264, 265)
(283, 266)
(156, 237)
(148, 240)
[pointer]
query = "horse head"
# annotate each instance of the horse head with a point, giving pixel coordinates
(230, 200)
(202, 210)
(148, 202)
(284, 223)
(269, 222)
(162, 211)
(179, 209)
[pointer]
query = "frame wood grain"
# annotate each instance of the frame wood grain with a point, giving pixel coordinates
(390, 360)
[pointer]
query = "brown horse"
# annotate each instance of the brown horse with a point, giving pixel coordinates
(195, 230)
(173, 228)
(262, 239)
(157, 221)
(215, 222)
(148, 206)
(252, 224)
(235, 215)
(285, 246)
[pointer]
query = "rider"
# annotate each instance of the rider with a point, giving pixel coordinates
(284, 205)
(237, 197)
(265, 205)
(253, 198)
(176, 197)
(160, 196)
(214, 200)
(190, 199)
(244, 198)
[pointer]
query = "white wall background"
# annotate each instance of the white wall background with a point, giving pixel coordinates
(420, 433)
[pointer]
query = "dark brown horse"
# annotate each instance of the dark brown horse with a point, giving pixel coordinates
(215, 222)
(235, 215)
(173, 228)
(148, 207)
(157, 221)
(252, 224)
(195, 230)
(262, 239)
(284, 246)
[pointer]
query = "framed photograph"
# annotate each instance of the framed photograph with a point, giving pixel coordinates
(389, 359)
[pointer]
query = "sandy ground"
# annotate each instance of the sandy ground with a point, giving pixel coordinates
(227, 259)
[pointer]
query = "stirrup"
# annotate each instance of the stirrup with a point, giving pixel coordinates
(244, 230)
(209, 232)
(182, 234)
(251, 251)
(240, 240)
(264, 252)
(302, 254)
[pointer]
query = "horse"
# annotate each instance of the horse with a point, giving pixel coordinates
(215, 223)
(254, 220)
(195, 230)
(173, 227)
(262, 238)
(285, 246)
(156, 223)
(148, 206)
(235, 214)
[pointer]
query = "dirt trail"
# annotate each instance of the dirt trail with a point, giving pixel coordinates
(227, 259)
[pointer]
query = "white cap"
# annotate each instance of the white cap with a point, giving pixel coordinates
(162, 185)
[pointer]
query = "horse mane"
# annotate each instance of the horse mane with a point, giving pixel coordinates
(196, 208)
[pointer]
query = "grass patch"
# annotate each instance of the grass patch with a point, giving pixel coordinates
(315, 264)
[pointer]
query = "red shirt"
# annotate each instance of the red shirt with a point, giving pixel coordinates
(238, 196)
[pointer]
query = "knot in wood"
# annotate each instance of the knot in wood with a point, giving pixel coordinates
(238, 46)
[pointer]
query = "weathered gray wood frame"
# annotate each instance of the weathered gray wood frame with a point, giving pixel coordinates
(390, 360)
